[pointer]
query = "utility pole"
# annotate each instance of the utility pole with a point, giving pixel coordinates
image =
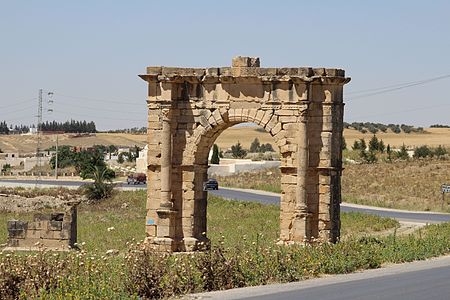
(56, 158)
(39, 133)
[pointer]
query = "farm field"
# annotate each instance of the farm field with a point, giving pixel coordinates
(27, 143)
(244, 134)
(432, 137)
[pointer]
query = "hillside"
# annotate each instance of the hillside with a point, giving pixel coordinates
(432, 137)
(244, 134)
(27, 143)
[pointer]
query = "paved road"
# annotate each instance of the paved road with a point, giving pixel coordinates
(262, 197)
(270, 198)
(64, 183)
(412, 281)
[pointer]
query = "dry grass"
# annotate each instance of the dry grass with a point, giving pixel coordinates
(245, 135)
(433, 137)
(413, 185)
(266, 180)
(27, 143)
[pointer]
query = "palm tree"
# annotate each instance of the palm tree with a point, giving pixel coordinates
(102, 187)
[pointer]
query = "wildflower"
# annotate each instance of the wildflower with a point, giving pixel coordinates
(110, 228)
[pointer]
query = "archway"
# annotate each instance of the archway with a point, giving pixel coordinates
(301, 108)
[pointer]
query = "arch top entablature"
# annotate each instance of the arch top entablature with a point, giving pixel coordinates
(244, 80)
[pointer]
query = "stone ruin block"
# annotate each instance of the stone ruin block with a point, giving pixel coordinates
(52, 231)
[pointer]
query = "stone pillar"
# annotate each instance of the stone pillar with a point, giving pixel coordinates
(165, 230)
(301, 230)
(166, 161)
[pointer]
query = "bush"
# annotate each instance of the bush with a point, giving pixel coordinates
(440, 151)
(102, 187)
(6, 168)
(422, 152)
(237, 151)
(403, 153)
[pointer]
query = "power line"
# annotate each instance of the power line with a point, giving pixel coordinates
(106, 118)
(18, 110)
(383, 90)
(103, 109)
(124, 101)
(18, 103)
(403, 111)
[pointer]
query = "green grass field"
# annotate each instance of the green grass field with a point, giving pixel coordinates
(243, 253)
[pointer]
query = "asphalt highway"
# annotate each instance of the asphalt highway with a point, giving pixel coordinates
(255, 196)
(411, 281)
(269, 198)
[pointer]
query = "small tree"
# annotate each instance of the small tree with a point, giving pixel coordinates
(112, 149)
(356, 145)
(255, 146)
(389, 152)
(6, 168)
(237, 151)
(403, 153)
(344, 144)
(266, 148)
(120, 159)
(362, 144)
(381, 147)
(374, 143)
(215, 155)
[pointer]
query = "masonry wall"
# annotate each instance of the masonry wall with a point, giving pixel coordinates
(53, 231)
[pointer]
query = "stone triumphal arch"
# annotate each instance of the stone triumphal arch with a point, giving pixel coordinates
(302, 108)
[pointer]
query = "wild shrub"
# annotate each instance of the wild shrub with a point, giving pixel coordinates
(237, 151)
(403, 153)
(102, 186)
(423, 152)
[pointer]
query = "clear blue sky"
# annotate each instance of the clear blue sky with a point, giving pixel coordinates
(93, 50)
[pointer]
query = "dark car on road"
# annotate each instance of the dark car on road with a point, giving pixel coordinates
(137, 178)
(211, 184)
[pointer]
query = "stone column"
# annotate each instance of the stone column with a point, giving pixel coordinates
(165, 230)
(166, 161)
(301, 228)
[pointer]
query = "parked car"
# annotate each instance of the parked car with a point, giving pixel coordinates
(137, 178)
(211, 184)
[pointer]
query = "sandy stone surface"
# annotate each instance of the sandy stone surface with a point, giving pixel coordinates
(18, 204)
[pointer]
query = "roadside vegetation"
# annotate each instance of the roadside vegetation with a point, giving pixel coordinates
(265, 180)
(112, 265)
(377, 178)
